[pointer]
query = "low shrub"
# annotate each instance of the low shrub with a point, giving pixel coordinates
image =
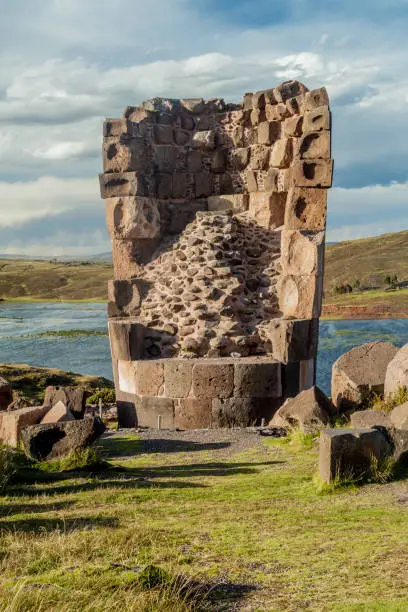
(106, 394)
(377, 402)
(12, 464)
(89, 458)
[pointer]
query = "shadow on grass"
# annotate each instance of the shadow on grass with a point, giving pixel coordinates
(41, 525)
(122, 478)
(126, 447)
(11, 509)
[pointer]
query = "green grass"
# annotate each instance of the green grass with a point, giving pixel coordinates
(253, 523)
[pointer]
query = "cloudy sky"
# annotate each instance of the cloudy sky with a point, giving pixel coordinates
(67, 64)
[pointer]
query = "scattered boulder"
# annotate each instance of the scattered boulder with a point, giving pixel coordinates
(348, 453)
(6, 394)
(53, 440)
(74, 399)
(360, 371)
(311, 411)
(58, 413)
(12, 422)
(399, 416)
(365, 419)
(397, 373)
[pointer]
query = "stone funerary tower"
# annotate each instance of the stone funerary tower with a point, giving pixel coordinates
(217, 216)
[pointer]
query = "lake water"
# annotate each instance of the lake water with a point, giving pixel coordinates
(25, 337)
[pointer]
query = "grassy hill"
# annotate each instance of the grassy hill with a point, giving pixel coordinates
(368, 261)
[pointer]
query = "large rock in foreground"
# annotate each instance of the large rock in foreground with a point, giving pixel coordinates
(49, 441)
(74, 398)
(310, 411)
(360, 371)
(397, 373)
(6, 393)
(349, 453)
(365, 419)
(399, 416)
(12, 423)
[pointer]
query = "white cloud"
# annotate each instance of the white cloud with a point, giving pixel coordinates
(45, 197)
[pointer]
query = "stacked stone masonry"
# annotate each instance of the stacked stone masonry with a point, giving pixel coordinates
(217, 216)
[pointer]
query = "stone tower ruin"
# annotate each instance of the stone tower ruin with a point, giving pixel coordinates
(217, 216)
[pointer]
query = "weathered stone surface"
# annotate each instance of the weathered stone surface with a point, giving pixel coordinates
(310, 411)
(268, 208)
(312, 173)
(397, 373)
(257, 379)
(204, 141)
(315, 145)
(293, 126)
(289, 89)
(300, 296)
(364, 419)
(293, 340)
(212, 379)
(302, 252)
(130, 218)
(193, 413)
(74, 398)
(59, 412)
(348, 453)
(317, 119)
(12, 423)
(52, 440)
(243, 411)
(6, 393)
(125, 296)
(237, 202)
(360, 371)
(155, 411)
(399, 416)
(281, 154)
(316, 98)
(126, 340)
(122, 184)
(177, 377)
(306, 208)
(268, 132)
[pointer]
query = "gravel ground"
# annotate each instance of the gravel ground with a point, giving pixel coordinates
(221, 443)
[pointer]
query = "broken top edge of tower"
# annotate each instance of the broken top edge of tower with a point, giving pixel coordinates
(217, 216)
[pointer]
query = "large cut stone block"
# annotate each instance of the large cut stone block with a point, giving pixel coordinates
(240, 158)
(237, 202)
(130, 218)
(282, 153)
(124, 155)
(309, 411)
(397, 373)
(268, 132)
(164, 134)
(257, 379)
(177, 377)
(316, 98)
(149, 409)
(142, 378)
(306, 208)
(126, 340)
(268, 208)
(129, 255)
(52, 440)
(212, 379)
(349, 453)
(243, 411)
(193, 413)
(317, 119)
(293, 126)
(116, 184)
(125, 296)
(289, 89)
(312, 173)
(302, 252)
(294, 340)
(366, 419)
(359, 372)
(315, 145)
(74, 398)
(13, 422)
(259, 157)
(300, 296)
(59, 412)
